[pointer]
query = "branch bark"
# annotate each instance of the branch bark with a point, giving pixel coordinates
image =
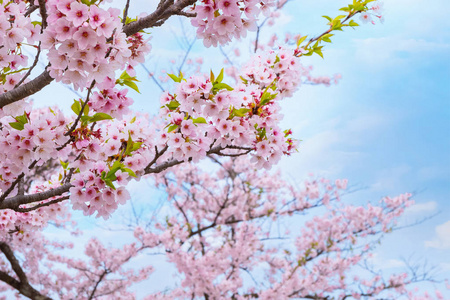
(22, 285)
(16, 201)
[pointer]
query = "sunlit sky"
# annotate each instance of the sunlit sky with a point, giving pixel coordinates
(385, 126)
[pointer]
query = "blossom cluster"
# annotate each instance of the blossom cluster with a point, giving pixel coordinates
(111, 100)
(204, 111)
(15, 29)
(219, 21)
(275, 68)
(20, 227)
(374, 12)
(31, 137)
(106, 163)
(86, 43)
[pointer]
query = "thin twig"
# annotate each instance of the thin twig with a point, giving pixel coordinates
(75, 123)
(36, 59)
(28, 209)
(125, 12)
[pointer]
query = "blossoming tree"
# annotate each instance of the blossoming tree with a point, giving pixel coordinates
(53, 161)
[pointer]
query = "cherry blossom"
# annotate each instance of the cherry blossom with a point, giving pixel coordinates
(83, 154)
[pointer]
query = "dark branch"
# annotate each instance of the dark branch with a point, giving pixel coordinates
(23, 285)
(43, 12)
(16, 201)
(25, 90)
(165, 9)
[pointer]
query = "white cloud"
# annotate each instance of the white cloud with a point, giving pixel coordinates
(421, 208)
(382, 263)
(335, 146)
(388, 51)
(389, 179)
(442, 239)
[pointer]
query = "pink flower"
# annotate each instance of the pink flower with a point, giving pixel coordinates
(187, 128)
(97, 16)
(85, 37)
(106, 28)
(64, 30)
(365, 17)
(122, 195)
(64, 6)
(78, 13)
(229, 7)
(224, 25)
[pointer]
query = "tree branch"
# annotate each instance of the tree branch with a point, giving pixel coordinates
(23, 285)
(16, 201)
(25, 90)
(43, 13)
(165, 9)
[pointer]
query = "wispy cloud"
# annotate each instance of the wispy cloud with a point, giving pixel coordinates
(378, 53)
(442, 238)
(422, 208)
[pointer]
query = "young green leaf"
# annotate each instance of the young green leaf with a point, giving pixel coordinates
(172, 127)
(199, 120)
(100, 117)
(220, 77)
(174, 78)
(76, 107)
(17, 125)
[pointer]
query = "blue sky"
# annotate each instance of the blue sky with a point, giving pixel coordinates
(385, 126)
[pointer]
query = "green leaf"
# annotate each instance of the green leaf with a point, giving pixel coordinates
(277, 59)
(132, 85)
(64, 164)
(199, 120)
(76, 107)
(125, 75)
(133, 120)
(220, 77)
(319, 51)
(211, 76)
(111, 175)
(173, 104)
(100, 117)
(221, 86)
(109, 183)
(326, 38)
(301, 40)
(174, 78)
(266, 97)
(17, 125)
(85, 119)
(328, 18)
(22, 119)
(129, 144)
(245, 81)
(346, 9)
(136, 146)
(172, 127)
(129, 171)
(85, 109)
(353, 23)
(240, 112)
